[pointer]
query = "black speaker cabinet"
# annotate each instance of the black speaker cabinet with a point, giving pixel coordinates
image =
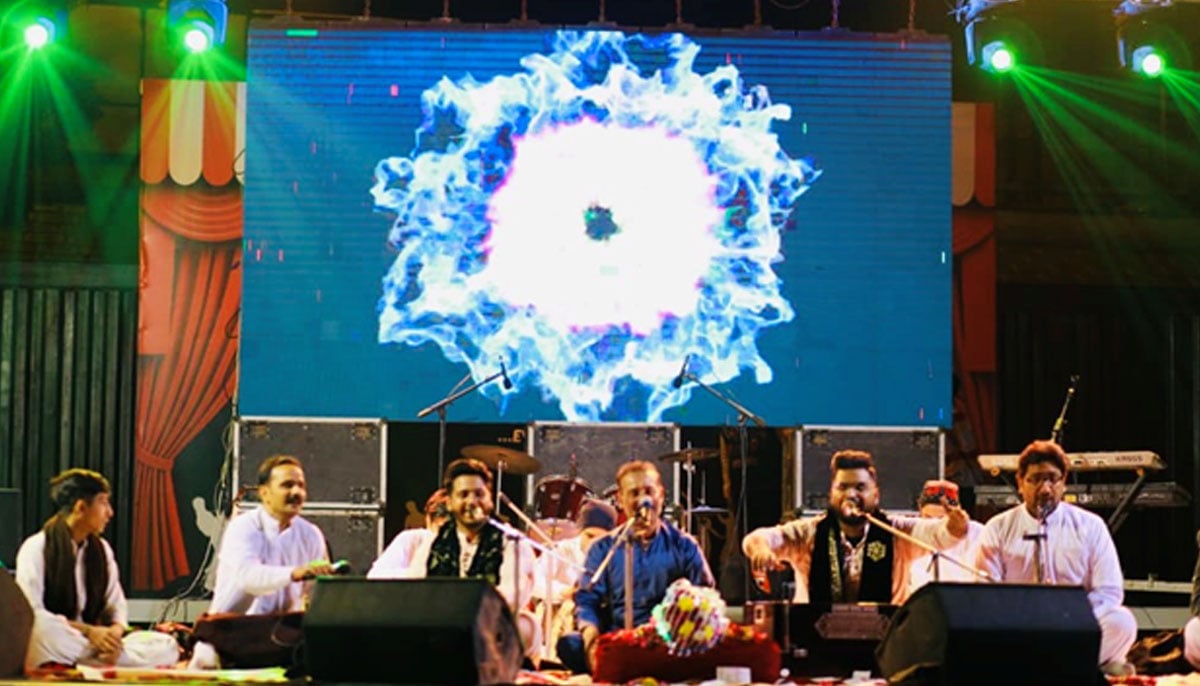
(413, 631)
(16, 626)
(993, 633)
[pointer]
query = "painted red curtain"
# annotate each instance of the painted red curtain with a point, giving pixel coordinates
(190, 284)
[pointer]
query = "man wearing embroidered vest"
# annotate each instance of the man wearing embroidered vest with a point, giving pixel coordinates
(469, 546)
(838, 557)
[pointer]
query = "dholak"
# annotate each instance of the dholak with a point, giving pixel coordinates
(557, 500)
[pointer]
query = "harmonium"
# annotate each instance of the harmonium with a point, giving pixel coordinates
(818, 639)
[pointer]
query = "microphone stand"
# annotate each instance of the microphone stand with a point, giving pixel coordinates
(1056, 431)
(1039, 540)
(937, 554)
(624, 536)
(741, 521)
(440, 407)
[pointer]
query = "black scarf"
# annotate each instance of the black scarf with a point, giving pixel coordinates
(826, 583)
(59, 595)
(445, 553)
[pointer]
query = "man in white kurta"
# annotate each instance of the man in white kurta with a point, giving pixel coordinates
(270, 554)
(398, 555)
(854, 566)
(1078, 549)
(921, 571)
(1191, 630)
(82, 497)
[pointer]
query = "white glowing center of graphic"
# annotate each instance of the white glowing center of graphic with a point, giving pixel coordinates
(599, 224)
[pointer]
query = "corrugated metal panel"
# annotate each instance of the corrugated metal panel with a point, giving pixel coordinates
(67, 378)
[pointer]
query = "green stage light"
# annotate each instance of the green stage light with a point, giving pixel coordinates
(998, 57)
(39, 33)
(197, 38)
(1148, 61)
(197, 25)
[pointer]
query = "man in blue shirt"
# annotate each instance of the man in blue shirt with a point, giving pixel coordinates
(661, 554)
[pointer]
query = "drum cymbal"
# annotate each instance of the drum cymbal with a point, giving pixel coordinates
(514, 461)
(690, 454)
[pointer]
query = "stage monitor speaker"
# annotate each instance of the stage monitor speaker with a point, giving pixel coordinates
(992, 633)
(16, 627)
(426, 631)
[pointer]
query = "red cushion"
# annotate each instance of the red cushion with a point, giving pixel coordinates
(623, 656)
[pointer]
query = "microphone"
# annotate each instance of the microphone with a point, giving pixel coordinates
(682, 371)
(504, 375)
(851, 509)
(341, 567)
(643, 507)
(1044, 510)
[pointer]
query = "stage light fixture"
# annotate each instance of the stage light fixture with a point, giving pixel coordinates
(39, 33)
(197, 25)
(1147, 43)
(994, 39)
(37, 25)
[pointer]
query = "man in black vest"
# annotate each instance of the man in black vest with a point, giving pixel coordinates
(837, 556)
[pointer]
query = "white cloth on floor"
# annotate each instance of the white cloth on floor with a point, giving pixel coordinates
(1078, 551)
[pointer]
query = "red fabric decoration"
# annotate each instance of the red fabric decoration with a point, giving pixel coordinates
(191, 286)
(623, 656)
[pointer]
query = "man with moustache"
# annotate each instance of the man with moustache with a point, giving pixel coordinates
(1075, 545)
(269, 555)
(662, 554)
(838, 557)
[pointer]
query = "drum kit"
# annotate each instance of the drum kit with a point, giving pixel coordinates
(558, 498)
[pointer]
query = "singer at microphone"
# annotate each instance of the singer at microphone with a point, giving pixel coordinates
(1075, 548)
(657, 554)
(853, 552)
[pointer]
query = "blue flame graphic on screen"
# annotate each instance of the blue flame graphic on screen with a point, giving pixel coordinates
(592, 221)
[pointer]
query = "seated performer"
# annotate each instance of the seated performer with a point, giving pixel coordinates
(70, 577)
(930, 505)
(395, 560)
(557, 579)
(1078, 549)
(838, 557)
(470, 546)
(663, 554)
(269, 555)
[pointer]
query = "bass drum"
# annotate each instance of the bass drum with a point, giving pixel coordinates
(556, 503)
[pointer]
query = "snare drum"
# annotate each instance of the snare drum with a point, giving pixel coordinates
(556, 501)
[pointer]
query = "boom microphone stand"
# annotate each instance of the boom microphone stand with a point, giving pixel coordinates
(937, 554)
(441, 405)
(741, 522)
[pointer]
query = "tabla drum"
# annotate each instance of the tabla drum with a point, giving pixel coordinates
(556, 501)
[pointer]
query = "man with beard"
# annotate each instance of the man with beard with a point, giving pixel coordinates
(663, 554)
(470, 546)
(838, 557)
(1075, 546)
(269, 555)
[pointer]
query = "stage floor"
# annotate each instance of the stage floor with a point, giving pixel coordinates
(141, 677)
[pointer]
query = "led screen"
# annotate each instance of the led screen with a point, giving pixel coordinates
(613, 222)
